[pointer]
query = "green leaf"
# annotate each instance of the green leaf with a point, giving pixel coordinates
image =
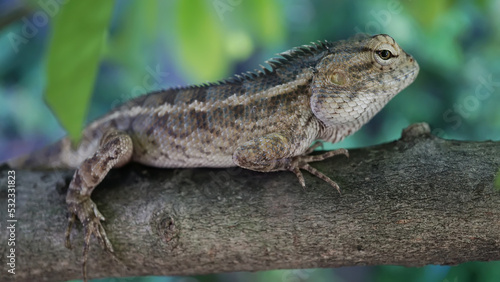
(428, 11)
(266, 18)
(134, 35)
(79, 34)
(200, 41)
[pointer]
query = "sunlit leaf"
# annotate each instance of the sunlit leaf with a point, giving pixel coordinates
(200, 41)
(427, 11)
(239, 45)
(134, 35)
(267, 18)
(149, 14)
(79, 32)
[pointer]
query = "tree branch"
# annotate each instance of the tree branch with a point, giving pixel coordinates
(419, 200)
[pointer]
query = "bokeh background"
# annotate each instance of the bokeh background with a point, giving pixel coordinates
(150, 45)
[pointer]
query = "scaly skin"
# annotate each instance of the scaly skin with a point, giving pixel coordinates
(263, 121)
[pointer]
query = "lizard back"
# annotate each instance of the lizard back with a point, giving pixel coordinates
(202, 125)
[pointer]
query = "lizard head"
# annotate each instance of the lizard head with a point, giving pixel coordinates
(357, 77)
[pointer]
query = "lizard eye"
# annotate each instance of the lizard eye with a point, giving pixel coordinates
(384, 54)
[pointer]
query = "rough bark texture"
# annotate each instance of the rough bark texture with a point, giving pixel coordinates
(420, 200)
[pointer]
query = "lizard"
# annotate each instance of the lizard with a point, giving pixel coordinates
(264, 120)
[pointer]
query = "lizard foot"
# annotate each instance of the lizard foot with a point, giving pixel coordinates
(302, 162)
(91, 218)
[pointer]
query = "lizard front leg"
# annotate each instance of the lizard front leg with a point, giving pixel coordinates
(115, 150)
(277, 151)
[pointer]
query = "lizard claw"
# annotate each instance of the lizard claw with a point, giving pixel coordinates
(315, 145)
(302, 162)
(91, 218)
(299, 175)
(71, 221)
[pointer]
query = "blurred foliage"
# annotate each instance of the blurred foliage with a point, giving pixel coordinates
(74, 32)
(149, 45)
(475, 271)
(200, 41)
(471, 271)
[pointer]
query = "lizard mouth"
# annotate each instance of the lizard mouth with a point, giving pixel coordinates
(408, 77)
(397, 83)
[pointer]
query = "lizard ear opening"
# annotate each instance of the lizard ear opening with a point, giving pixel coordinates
(338, 77)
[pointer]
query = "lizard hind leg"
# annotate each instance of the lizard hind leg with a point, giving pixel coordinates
(114, 150)
(277, 151)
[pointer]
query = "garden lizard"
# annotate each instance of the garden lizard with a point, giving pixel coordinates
(264, 120)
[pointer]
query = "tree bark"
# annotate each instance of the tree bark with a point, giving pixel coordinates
(416, 201)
